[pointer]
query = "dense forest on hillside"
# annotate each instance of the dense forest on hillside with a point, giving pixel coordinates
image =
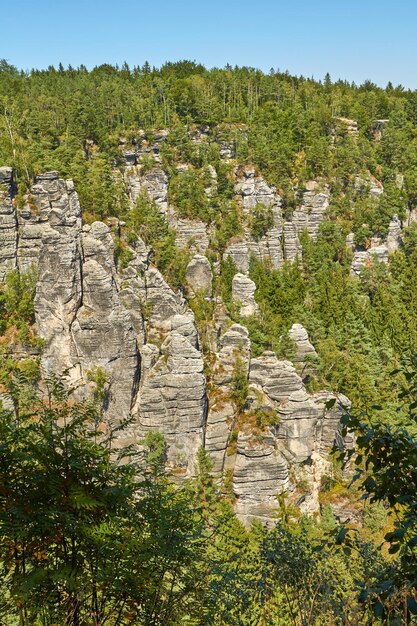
(72, 120)
(104, 527)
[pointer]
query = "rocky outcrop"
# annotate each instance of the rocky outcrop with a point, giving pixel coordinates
(260, 473)
(199, 276)
(394, 237)
(300, 428)
(243, 294)
(292, 245)
(370, 186)
(233, 350)
(268, 248)
(277, 379)
(305, 351)
(240, 253)
(362, 258)
(153, 183)
(78, 310)
(298, 417)
(172, 399)
(130, 323)
(8, 223)
(254, 190)
(92, 317)
(162, 303)
(102, 331)
(190, 234)
(312, 211)
(148, 146)
(233, 344)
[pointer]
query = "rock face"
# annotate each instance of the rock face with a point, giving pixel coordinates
(199, 276)
(260, 473)
(153, 183)
(304, 349)
(233, 350)
(172, 399)
(255, 418)
(313, 209)
(78, 310)
(251, 191)
(8, 223)
(299, 429)
(394, 237)
(255, 190)
(243, 294)
(362, 258)
(292, 245)
(192, 234)
(90, 316)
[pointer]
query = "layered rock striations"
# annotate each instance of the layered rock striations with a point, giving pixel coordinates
(253, 415)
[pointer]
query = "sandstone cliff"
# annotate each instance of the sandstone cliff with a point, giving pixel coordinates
(142, 334)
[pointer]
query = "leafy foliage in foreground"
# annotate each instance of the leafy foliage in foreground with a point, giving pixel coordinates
(91, 533)
(386, 466)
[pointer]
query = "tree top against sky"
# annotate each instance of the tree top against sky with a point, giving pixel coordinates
(354, 41)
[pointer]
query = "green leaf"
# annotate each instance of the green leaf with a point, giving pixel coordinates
(363, 596)
(378, 609)
(412, 605)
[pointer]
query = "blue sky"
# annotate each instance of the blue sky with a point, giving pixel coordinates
(354, 40)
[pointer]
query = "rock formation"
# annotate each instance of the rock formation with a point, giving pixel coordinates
(313, 209)
(243, 294)
(141, 333)
(199, 276)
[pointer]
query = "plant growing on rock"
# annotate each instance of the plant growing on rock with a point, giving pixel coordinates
(240, 384)
(262, 221)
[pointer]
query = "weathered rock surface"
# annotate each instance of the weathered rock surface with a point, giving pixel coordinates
(362, 258)
(8, 223)
(251, 191)
(234, 344)
(199, 276)
(172, 399)
(371, 185)
(313, 209)
(153, 183)
(304, 349)
(292, 245)
(394, 237)
(260, 473)
(90, 316)
(243, 294)
(233, 350)
(190, 234)
(278, 379)
(130, 323)
(162, 302)
(77, 306)
(255, 190)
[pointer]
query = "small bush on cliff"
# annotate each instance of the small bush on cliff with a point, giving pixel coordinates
(240, 384)
(262, 221)
(188, 196)
(17, 312)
